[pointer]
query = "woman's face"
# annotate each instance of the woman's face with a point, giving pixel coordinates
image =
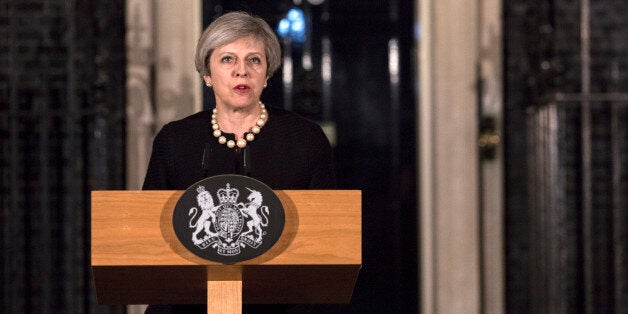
(238, 73)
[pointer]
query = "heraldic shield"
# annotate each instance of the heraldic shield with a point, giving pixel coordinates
(228, 218)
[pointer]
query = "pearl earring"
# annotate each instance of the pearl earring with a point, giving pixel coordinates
(208, 84)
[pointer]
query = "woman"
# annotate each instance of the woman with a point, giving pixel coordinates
(236, 55)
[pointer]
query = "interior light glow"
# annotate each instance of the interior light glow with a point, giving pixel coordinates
(283, 28)
(393, 60)
(295, 14)
(293, 25)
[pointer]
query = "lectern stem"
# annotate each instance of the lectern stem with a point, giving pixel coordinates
(224, 297)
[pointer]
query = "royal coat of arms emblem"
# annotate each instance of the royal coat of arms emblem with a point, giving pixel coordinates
(222, 226)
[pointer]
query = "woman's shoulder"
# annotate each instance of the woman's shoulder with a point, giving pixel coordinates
(192, 123)
(295, 128)
(284, 118)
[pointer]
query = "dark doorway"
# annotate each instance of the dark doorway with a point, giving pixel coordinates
(566, 156)
(370, 108)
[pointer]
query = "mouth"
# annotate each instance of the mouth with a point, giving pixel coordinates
(241, 88)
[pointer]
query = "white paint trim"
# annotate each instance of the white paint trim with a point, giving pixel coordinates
(492, 171)
(177, 30)
(427, 259)
(139, 107)
(161, 36)
(448, 162)
(197, 29)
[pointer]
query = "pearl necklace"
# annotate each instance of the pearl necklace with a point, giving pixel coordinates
(249, 137)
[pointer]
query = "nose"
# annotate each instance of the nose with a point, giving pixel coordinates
(240, 69)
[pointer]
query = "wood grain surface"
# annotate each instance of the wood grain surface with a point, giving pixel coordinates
(137, 258)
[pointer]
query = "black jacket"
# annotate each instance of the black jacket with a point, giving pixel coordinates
(290, 152)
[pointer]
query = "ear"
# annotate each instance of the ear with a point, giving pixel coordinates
(207, 79)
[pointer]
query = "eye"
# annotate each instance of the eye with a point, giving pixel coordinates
(226, 59)
(255, 60)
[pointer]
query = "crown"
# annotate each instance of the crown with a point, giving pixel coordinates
(228, 195)
(200, 189)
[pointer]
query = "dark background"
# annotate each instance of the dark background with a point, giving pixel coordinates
(566, 156)
(375, 149)
(62, 135)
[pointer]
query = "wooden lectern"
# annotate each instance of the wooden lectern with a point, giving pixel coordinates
(137, 258)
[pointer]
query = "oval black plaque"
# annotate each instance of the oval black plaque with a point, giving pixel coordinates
(228, 218)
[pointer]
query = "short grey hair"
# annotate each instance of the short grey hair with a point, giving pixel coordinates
(231, 27)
